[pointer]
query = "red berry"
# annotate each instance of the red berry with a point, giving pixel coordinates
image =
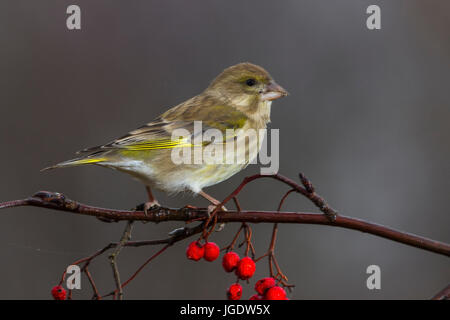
(263, 284)
(234, 292)
(256, 297)
(230, 261)
(212, 251)
(275, 293)
(195, 251)
(245, 268)
(59, 293)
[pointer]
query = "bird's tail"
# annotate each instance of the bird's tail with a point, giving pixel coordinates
(76, 162)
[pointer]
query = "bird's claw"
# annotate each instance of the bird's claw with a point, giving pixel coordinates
(211, 209)
(151, 206)
(147, 207)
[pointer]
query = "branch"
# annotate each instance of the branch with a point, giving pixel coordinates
(59, 202)
(329, 216)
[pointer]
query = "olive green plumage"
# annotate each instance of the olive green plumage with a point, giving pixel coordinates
(239, 98)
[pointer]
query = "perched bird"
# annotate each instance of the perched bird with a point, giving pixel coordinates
(239, 98)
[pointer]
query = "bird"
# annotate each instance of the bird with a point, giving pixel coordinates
(238, 99)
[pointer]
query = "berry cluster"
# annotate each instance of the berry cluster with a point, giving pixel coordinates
(267, 289)
(209, 251)
(244, 269)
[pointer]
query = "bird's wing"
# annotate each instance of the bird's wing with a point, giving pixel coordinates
(158, 133)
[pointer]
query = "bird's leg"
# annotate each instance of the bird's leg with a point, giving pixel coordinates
(152, 202)
(213, 207)
(211, 199)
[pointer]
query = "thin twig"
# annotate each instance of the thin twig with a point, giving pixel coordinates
(94, 287)
(179, 235)
(270, 254)
(126, 236)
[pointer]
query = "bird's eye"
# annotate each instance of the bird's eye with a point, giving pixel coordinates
(250, 82)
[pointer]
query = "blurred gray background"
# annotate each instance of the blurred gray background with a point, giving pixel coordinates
(367, 121)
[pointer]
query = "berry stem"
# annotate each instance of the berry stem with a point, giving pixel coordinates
(126, 236)
(233, 242)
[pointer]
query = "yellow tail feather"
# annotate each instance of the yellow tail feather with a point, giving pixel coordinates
(75, 162)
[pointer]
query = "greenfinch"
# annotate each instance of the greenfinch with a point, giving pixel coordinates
(238, 99)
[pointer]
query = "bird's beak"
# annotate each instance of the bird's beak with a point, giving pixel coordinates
(273, 91)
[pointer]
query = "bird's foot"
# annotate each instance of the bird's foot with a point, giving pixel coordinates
(220, 227)
(151, 206)
(148, 207)
(211, 209)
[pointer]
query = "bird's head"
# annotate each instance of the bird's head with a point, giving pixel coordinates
(245, 83)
